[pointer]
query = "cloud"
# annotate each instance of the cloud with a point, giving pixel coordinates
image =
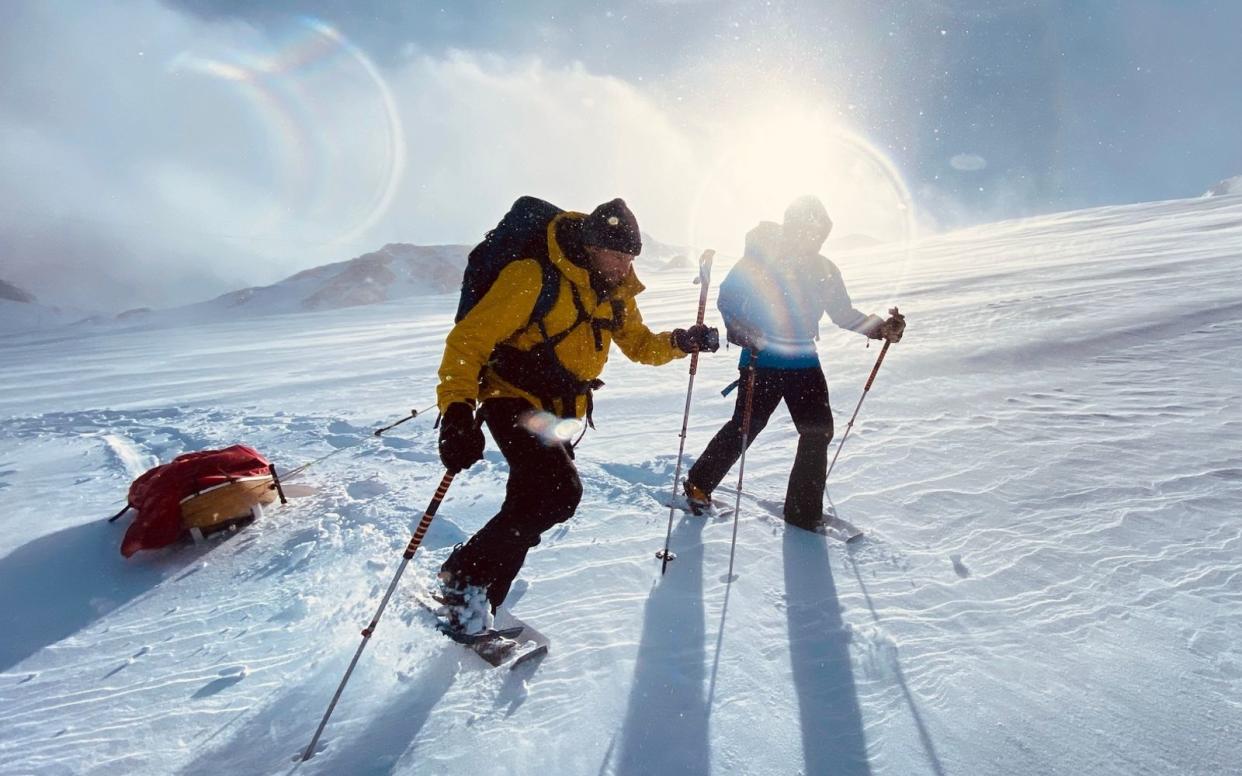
(88, 126)
(160, 158)
(968, 162)
(483, 130)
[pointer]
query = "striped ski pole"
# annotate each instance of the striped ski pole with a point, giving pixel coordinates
(704, 280)
(410, 549)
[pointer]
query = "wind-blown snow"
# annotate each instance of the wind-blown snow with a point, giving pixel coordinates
(1227, 186)
(1049, 469)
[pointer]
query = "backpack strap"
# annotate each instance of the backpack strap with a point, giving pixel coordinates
(549, 290)
(539, 371)
(582, 317)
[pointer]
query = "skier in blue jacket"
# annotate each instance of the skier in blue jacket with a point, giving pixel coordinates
(772, 302)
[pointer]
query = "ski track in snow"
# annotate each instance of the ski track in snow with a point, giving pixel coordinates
(1048, 470)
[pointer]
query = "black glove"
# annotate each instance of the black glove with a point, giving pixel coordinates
(698, 337)
(461, 438)
(894, 327)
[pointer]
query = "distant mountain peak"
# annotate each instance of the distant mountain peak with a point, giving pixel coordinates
(396, 271)
(14, 294)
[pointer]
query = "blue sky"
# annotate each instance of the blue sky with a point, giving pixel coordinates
(154, 152)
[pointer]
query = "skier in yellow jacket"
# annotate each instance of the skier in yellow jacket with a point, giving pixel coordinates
(522, 374)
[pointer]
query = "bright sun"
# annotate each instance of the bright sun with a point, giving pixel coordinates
(757, 164)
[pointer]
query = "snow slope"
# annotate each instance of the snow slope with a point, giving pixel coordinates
(1049, 467)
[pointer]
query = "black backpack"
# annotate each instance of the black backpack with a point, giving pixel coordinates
(521, 234)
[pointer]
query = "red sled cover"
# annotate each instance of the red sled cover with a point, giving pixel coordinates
(157, 494)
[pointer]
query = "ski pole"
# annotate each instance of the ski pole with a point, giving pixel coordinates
(741, 469)
(377, 432)
(704, 280)
(874, 370)
(415, 541)
(413, 414)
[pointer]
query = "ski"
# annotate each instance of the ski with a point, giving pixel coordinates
(474, 639)
(512, 642)
(532, 646)
(837, 528)
(831, 525)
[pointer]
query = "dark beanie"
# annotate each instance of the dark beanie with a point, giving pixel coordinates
(613, 226)
(807, 215)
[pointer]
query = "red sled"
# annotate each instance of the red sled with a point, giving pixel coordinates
(198, 493)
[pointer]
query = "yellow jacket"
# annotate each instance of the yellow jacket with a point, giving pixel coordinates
(502, 316)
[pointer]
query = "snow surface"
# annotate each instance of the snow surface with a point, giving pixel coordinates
(1049, 468)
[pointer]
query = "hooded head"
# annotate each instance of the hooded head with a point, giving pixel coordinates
(764, 242)
(611, 240)
(806, 226)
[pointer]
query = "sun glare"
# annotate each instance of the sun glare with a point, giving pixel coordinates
(760, 162)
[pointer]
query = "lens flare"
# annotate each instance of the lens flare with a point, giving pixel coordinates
(550, 429)
(325, 149)
(567, 429)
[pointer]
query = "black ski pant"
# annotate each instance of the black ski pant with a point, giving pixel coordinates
(543, 490)
(806, 394)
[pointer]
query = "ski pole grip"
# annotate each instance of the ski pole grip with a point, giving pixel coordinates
(704, 280)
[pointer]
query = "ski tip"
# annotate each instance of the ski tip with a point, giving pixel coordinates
(535, 655)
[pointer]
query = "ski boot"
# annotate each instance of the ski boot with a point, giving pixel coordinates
(465, 613)
(698, 500)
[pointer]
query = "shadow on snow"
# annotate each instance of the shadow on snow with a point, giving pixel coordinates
(832, 732)
(665, 729)
(61, 583)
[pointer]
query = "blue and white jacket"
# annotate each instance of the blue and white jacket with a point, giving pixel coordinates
(782, 300)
